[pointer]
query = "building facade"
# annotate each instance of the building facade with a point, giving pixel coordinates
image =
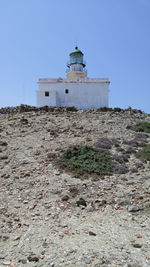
(76, 89)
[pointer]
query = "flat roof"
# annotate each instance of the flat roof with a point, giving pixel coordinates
(73, 80)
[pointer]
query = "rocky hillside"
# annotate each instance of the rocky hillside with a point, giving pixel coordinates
(52, 216)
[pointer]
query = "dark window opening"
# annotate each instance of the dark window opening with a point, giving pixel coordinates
(46, 93)
(67, 91)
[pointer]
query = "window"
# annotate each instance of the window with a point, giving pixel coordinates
(46, 93)
(67, 91)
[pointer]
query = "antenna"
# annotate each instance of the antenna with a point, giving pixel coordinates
(76, 42)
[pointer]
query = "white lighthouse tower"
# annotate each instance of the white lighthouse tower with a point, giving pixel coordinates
(76, 89)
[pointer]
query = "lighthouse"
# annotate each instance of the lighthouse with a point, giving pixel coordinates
(76, 89)
(76, 65)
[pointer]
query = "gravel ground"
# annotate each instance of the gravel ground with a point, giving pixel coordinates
(52, 218)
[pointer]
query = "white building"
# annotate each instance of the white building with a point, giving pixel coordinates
(76, 90)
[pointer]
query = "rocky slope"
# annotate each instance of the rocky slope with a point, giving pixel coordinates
(49, 217)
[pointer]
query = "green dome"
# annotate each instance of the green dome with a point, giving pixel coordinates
(76, 50)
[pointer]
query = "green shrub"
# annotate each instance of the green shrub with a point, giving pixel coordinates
(144, 153)
(74, 109)
(104, 109)
(117, 109)
(84, 159)
(141, 127)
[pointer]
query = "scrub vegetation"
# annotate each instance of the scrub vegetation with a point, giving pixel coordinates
(86, 159)
(144, 153)
(143, 126)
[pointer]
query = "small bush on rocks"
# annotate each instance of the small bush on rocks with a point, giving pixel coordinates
(103, 142)
(86, 160)
(119, 168)
(144, 153)
(141, 127)
(141, 136)
(73, 109)
(117, 109)
(104, 109)
(132, 143)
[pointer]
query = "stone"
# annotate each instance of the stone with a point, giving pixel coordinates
(50, 155)
(91, 207)
(24, 121)
(100, 201)
(23, 261)
(45, 244)
(65, 198)
(133, 170)
(6, 262)
(133, 208)
(81, 202)
(92, 233)
(135, 244)
(25, 201)
(3, 143)
(5, 237)
(3, 157)
(139, 165)
(33, 258)
(17, 237)
(87, 261)
(73, 191)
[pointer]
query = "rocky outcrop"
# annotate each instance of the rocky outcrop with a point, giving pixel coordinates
(50, 217)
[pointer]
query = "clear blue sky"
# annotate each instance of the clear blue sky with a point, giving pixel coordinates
(36, 37)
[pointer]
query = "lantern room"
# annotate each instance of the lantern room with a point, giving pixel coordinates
(76, 65)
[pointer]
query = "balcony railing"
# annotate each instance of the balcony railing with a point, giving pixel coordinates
(68, 70)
